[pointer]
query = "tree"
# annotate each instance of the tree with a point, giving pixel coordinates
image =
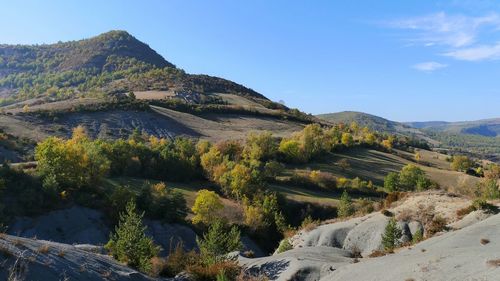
(345, 207)
(347, 139)
(131, 95)
(206, 207)
(291, 151)
(217, 242)
(74, 163)
(260, 146)
(409, 176)
(391, 235)
(391, 182)
(461, 163)
(417, 157)
(129, 243)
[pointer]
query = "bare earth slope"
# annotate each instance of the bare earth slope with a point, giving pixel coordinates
(29, 259)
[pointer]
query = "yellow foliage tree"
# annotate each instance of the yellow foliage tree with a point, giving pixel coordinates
(206, 207)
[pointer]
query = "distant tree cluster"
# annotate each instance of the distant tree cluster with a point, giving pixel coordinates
(410, 178)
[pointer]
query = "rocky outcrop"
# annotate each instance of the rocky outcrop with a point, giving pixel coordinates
(75, 225)
(470, 247)
(472, 253)
(30, 260)
(309, 263)
(80, 225)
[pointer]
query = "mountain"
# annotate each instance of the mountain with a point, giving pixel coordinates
(110, 63)
(49, 89)
(475, 138)
(373, 122)
(485, 127)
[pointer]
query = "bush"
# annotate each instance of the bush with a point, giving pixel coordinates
(417, 237)
(437, 224)
(345, 208)
(391, 182)
(161, 202)
(284, 246)
(129, 243)
(461, 163)
(391, 236)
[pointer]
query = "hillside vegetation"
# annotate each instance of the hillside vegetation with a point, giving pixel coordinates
(476, 138)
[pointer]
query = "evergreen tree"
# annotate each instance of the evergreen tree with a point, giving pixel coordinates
(345, 208)
(391, 235)
(129, 243)
(217, 242)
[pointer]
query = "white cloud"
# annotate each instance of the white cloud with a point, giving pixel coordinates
(429, 66)
(448, 30)
(478, 53)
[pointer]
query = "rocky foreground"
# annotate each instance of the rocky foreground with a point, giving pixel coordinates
(468, 248)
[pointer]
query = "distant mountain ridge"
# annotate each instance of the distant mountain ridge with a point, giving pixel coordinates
(484, 127)
(479, 138)
(368, 120)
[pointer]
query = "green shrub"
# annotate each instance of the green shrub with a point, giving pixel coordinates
(391, 235)
(217, 242)
(345, 207)
(284, 246)
(129, 243)
(417, 237)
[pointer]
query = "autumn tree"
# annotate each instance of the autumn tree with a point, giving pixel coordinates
(347, 139)
(73, 163)
(461, 163)
(206, 207)
(262, 146)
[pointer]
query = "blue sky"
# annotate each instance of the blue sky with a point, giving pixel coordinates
(403, 60)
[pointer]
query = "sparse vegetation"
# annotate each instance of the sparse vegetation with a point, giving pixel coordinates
(129, 243)
(391, 236)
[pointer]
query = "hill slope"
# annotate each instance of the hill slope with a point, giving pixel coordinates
(113, 62)
(49, 89)
(476, 138)
(486, 127)
(373, 122)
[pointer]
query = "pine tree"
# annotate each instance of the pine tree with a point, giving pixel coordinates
(129, 243)
(345, 208)
(391, 235)
(217, 242)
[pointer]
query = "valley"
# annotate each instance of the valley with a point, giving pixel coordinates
(119, 165)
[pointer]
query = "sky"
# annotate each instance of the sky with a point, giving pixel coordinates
(402, 60)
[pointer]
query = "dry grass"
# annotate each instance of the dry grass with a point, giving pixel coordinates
(494, 263)
(44, 249)
(377, 253)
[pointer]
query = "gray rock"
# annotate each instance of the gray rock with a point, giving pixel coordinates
(405, 231)
(308, 263)
(168, 236)
(366, 237)
(415, 226)
(76, 225)
(456, 255)
(470, 219)
(32, 260)
(330, 235)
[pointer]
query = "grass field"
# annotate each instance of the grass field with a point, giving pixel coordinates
(369, 164)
